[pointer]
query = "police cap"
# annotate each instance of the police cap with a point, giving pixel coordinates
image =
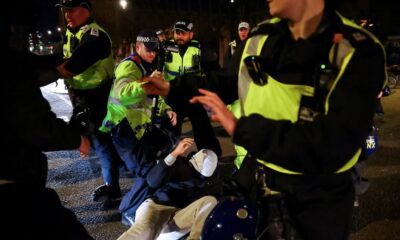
(149, 39)
(75, 3)
(183, 25)
(160, 32)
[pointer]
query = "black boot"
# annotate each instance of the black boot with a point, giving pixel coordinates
(107, 191)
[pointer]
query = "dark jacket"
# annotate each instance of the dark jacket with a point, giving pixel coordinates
(180, 184)
(90, 50)
(326, 144)
(29, 125)
(307, 147)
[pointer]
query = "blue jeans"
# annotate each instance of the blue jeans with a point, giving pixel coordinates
(108, 156)
(96, 101)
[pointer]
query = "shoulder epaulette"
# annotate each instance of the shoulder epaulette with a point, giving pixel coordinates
(94, 32)
(194, 43)
(85, 28)
(265, 26)
(356, 34)
(358, 37)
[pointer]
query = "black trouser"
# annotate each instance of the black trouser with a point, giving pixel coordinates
(203, 132)
(379, 106)
(320, 206)
(29, 212)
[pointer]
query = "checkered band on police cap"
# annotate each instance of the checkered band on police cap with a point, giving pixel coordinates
(149, 39)
(75, 3)
(160, 31)
(183, 25)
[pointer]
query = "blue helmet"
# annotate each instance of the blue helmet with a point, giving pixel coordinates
(232, 218)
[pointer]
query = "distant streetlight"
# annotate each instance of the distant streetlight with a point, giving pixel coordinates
(123, 3)
(49, 32)
(363, 22)
(232, 1)
(59, 29)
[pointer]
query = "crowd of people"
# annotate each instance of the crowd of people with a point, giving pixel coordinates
(297, 95)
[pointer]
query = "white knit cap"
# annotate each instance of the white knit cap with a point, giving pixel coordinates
(205, 162)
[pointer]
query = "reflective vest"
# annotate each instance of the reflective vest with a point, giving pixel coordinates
(96, 74)
(241, 152)
(128, 100)
(189, 63)
(263, 99)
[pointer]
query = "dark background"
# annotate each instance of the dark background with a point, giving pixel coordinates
(215, 21)
(211, 14)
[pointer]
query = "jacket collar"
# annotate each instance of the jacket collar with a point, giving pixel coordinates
(75, 30)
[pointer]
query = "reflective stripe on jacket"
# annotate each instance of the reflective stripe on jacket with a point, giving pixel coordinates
(189, 63)
(280, 101)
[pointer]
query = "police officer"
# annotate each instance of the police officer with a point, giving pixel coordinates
(162, 36)
(184, 66)
(129, 113)
(308, 82)
(87, 71)
(29, 129)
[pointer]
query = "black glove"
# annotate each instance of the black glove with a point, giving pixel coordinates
(80, 119)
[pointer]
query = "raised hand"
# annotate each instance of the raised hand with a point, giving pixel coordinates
(172, 116)
(219, 111)
(183, 147)
(156, 86)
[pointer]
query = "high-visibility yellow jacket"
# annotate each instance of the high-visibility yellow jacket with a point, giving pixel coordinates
(96, 74)
(181, 65)
(128, 100)
(274, 127)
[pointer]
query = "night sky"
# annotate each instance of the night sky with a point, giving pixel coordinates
(48, 15)
(385, 13)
